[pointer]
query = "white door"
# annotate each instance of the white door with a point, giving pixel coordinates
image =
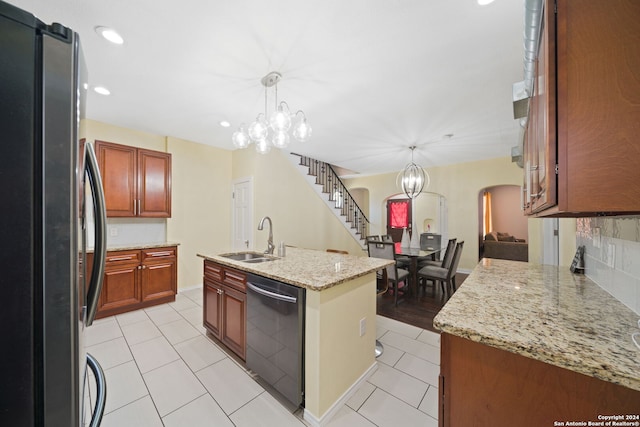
(242, 237)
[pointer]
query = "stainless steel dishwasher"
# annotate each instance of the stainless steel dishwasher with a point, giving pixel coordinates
(275, 335)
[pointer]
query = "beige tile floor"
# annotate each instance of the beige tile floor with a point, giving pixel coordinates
(162, 370)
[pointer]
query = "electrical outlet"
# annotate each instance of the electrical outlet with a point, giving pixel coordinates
(113, 231)
(596, 237)
(363, 326)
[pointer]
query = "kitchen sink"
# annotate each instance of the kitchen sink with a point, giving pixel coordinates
(248, 257)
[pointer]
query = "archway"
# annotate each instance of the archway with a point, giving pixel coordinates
(499, 210)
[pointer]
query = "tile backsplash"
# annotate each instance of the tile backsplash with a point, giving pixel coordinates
(125, 231)
(612, 255)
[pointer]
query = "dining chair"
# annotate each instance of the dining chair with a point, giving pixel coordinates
(402, 261)
(395, 275)
(446, 276)
(446, 260)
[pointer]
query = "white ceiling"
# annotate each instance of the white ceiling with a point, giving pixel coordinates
(373, 76)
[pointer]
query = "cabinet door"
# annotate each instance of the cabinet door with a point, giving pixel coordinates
(117, 165)
(212, 307)
(154, 187)
(541, 132)
(159, 274)
(121, 287)
(234, 323)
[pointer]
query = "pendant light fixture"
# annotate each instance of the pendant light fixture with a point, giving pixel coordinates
(273, 132)
(412, 179)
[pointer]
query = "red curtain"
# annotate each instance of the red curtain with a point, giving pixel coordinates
(399, 214)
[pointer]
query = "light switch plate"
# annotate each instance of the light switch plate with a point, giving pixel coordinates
(596, 237)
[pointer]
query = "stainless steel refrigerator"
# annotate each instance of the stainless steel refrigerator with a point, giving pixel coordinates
(46, 300)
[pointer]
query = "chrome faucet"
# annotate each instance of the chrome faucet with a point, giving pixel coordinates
(270, 245)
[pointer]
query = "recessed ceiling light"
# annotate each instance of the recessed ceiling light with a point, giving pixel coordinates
(102, 90)
(225, 124)
(484, 2)
(110, 34)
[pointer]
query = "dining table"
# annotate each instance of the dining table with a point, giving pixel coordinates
(414, 255)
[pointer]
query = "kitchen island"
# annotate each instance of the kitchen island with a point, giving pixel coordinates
(340, 304)
(536, 345)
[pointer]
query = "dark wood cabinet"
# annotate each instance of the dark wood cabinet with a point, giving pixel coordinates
(581, 142)
(137, 182)
(225, 306)
(485, 386)
(136, 279)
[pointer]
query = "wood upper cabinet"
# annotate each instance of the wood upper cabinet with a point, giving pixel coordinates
(225, 306)
(584, 116)
(137, 182)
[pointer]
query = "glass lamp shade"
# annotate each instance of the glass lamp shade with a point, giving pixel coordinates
(258, 129)
(280, 120)
(302, 130)
(263, 146)
(413, 180)
(240, 139)
(280, 139)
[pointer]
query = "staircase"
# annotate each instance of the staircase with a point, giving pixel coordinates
(330, 188)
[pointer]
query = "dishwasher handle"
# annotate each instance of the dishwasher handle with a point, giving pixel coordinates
(273, 295)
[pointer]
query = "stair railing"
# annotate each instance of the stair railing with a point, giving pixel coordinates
(338, 193)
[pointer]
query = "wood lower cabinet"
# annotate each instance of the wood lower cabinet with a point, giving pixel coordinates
(138, 278)
(225, 306)
(485, 386)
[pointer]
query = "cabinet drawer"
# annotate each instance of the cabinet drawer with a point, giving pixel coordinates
(122, 256)
(212, 270)
(156, 253)
(236, 279)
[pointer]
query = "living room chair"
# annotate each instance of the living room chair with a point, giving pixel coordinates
(446, 276)
(395, 275)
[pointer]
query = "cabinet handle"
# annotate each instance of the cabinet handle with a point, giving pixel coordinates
(139, 267)
(139, 207)
(135, 206)
(166, 253)
(120, 258)
(220, 292)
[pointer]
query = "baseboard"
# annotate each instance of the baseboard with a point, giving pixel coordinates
(337, 405)
(190, 288)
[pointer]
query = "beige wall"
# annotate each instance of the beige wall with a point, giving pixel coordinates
(201, 194)
(300, 218)
(459, 184)
(201, 205)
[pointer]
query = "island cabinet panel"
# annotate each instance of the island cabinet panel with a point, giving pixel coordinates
(581, 143)
(137, 182)
(225, 306)
(485, 386)
(136, 279)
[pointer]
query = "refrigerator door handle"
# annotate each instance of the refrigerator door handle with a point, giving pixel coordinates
(101, 390)
(100, 250)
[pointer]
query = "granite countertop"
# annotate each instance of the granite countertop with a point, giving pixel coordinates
(548, 314)
(306, 268)
(133, 246)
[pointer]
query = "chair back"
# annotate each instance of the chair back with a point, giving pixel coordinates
(448, 253)
(373, 238)
(384, 250)
(455, 260)
(386, 238)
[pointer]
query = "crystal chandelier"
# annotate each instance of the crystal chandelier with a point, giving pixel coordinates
(412, 179)
(275, 131)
